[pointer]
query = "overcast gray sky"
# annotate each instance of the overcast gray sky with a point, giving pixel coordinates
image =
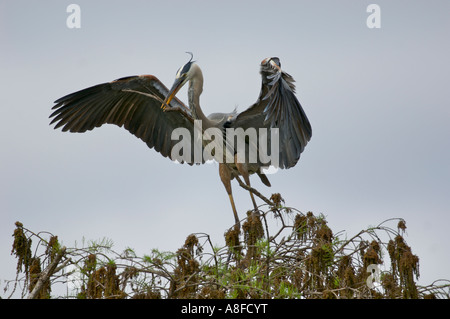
(378, 101)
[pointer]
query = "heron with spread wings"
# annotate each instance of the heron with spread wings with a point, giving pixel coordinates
(151, 112)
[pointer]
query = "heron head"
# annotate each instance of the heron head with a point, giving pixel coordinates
(274, 62)
(184, 74)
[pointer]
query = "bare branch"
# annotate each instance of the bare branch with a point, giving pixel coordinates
(46, 274)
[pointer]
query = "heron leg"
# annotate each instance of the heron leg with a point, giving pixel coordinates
(244, 172)
(225, 176)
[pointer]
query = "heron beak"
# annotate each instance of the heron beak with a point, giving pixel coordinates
(274, 65)
(177, 85)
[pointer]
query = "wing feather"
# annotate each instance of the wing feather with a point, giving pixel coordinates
(278, 107)
(132, 102)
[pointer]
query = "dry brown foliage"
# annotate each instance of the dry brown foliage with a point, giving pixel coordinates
(298, 256)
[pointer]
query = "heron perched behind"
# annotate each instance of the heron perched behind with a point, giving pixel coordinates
(150, 111)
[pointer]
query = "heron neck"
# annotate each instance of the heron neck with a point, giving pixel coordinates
(195, 89)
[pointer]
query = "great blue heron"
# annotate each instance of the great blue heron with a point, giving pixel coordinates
(150, 111)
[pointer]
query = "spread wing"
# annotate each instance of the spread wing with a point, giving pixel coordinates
(133, 102)
(278, 107)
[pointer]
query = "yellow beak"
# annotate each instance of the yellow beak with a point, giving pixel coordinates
(177, 85)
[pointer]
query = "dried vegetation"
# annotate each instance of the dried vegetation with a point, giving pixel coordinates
(299, 257)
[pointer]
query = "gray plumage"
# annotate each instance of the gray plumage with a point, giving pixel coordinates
(150, 111)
